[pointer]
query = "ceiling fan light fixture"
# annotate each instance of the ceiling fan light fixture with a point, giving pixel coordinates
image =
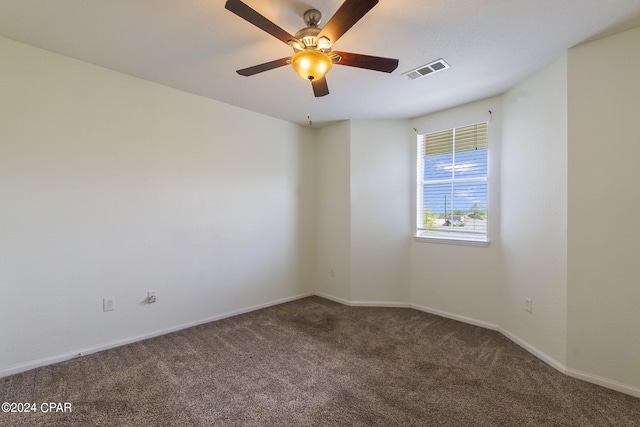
(296, 45)
(311, 64)
(324, 44)
(312, 44)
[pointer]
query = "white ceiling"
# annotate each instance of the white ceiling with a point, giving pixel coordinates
(196, 46)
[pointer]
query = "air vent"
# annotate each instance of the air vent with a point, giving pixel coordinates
(424, 70)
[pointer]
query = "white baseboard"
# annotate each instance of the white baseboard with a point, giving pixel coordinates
(593, 379)
(531, 349)
(332, 298)
(604, 382)
(457, 317)
(535, 351)
(387, 304)
(83, 352)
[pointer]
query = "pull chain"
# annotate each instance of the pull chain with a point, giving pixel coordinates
(309, 108)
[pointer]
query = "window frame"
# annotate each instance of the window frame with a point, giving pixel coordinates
(420, 184)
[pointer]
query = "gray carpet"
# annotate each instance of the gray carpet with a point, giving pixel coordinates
(313, 362)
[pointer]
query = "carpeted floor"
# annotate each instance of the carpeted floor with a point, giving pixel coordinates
(313, 362)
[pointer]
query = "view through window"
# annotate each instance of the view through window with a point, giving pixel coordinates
(452, 184)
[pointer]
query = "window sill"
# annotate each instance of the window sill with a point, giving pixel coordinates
(449, 241)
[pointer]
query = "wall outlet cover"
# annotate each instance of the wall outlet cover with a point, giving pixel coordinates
(528, 304)
(109, 304)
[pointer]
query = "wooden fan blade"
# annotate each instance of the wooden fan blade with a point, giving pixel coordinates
(320, 87)
(345, 17)
(376, 63)
(264, 67)
(253, 17)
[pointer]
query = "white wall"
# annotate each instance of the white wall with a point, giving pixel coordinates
(111, 186)
(527, 221)
(527, 256)
(567, 166)
(380, 220)
(461, 280)
(604, 199)
(333, 211)
(362, 215)
(534, 210)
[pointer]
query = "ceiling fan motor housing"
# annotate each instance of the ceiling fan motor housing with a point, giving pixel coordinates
(308, 37)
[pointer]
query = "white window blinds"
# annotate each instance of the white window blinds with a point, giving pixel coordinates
(452, 183)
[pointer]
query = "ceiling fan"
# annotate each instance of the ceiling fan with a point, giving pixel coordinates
(313, 56)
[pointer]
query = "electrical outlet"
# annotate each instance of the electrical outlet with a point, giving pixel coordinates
(151, 297)
(528, 304)
(333, 273)
(108, 304)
